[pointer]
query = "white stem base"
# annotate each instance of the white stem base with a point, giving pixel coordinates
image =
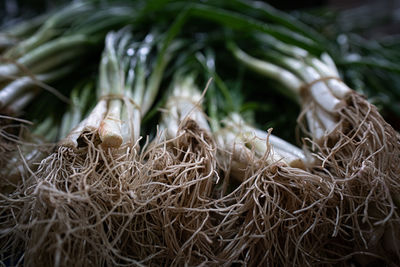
(110, 128)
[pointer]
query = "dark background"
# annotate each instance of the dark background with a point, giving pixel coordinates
(365, 10)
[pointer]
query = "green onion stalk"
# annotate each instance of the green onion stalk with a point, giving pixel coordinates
(41, 29)
(74, 209)
(263, 203)
(53, 50)
(13, 34)
(350, 139)
(182, 173)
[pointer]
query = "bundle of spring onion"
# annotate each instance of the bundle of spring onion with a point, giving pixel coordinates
(349, 137)
(214, 186)
(182, 172)
(267, 201)
(48, 50)
(68, 204)
(278, 216)
(282, 208)
(367, 57)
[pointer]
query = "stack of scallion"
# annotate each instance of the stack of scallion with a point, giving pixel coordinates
(167, 133)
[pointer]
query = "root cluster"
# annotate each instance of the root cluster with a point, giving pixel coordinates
(279, 216)
(167, 205)
(70, 212)
(363, 159)
(172, 198)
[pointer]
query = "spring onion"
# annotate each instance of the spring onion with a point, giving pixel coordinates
(350, 138)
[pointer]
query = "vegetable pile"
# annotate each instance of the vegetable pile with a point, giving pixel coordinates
(167, 133)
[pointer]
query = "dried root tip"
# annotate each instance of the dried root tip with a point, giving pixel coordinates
(110, 128)
(67, 142)
(71, 140)
(89, 125)
(288, 158)
(110, 135)
(297, 163)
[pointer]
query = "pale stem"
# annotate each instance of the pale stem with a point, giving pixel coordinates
(184, 103)
(17, 87)
(21, 102)
(325, 57)
(327, 119)
(270, 70)
(261, 147)
(338, 88)
(314, 126)
(131, 119)
(319, 91)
